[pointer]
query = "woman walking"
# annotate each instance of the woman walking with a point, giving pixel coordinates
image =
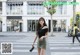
(41, 35)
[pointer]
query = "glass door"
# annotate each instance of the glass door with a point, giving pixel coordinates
(29, 25)
(58, 25)
(14, 25)
(32, 25)
(0, 26)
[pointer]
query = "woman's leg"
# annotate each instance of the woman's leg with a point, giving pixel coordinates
(73, 39)
(39, 51)
(77, 38)
(42, 51)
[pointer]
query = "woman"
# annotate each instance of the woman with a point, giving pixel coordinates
(41, 34)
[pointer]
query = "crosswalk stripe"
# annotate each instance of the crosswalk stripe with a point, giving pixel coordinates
(64, 48)
(21, 43)
(66, 53)
(62, 44)
(25, 43)
(23, 46)
(23, 50)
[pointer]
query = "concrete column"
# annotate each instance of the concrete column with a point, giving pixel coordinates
(24, 8)
(4, 25)
(67, 24)
(46, 20)
(3, 8)
(24, 24)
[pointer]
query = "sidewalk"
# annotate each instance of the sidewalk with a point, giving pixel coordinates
(20, 33)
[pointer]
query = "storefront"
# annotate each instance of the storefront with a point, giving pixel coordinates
(58, 25)
(32, 24)
(24, 15)
(14, 23)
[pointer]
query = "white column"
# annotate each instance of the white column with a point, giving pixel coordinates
(24, 8)
(24, 24)
(4, 25)
(3, 8)
(67, 24)
(46, 20)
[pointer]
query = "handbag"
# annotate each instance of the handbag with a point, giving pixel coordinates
(31, 49)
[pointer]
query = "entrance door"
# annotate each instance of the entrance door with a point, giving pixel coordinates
(58, 25)
(11, 24)
(0, 26)
(32, 25)
(54, 25)
(14, 23)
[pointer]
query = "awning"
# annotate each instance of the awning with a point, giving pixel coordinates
(14, 17)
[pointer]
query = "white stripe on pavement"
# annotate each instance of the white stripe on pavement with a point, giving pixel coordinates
(63, 44)
(65, 53)
(64, 48)
(59, 42)
(24, 43)
(23, 50)
(24, 46)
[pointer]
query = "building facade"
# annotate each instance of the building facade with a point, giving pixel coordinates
(24, 15)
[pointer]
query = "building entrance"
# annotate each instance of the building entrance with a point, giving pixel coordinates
(32, 24)
(58, 25)
(14, 24)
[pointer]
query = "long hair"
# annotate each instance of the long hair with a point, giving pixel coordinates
(39, 25)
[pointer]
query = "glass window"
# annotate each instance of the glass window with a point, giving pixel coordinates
(34, 8)
(61, 9)
(32, 25)
(14, 7)
(65, 9)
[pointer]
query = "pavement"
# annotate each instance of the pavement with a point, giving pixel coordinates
(59, 44)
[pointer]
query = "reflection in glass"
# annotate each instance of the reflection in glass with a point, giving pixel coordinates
(14, 8)
(34, 8)
(32, 24)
